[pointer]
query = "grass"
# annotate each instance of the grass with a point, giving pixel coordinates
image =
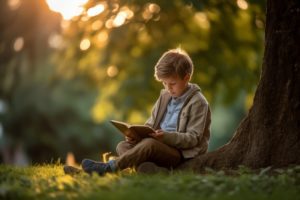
(49, 182)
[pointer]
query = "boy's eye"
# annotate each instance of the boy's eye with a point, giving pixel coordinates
(171, 84)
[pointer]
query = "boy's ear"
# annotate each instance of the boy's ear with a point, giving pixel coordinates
(187, 77)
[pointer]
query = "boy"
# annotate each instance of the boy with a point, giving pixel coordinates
(180, 116)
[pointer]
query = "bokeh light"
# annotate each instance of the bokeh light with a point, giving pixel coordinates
(202, 20)
(242, 4)
(112, 71)
(68, 9)
(14, 4)
(120, 19)
(18, 44)
(96, 10)
(85, 44)
(101, 39)
(56, 41)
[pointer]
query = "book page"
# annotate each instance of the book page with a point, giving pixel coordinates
(133, 131)
(142, 131)
(120, 125)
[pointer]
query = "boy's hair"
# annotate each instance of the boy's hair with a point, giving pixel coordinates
(172, 62)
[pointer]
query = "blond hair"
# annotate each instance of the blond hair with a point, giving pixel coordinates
(174, 62)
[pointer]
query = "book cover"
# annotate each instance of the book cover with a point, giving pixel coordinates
(134, 131)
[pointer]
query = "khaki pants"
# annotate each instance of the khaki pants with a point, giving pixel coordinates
(147, 150)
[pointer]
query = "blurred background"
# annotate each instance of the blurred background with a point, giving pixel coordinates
(68, 67)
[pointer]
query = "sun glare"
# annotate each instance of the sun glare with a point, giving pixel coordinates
(68, 9)
(96, 10)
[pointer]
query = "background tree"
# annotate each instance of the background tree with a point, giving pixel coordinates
(269, 135)
(43, 115)
(62, 79)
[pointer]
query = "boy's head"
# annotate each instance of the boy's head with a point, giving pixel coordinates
(174, 69)
(174, 62)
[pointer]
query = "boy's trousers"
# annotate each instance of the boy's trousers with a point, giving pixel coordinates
(147, 150)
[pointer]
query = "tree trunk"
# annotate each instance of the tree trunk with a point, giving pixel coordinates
(270, 133)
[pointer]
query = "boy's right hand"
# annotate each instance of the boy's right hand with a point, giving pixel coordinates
(132, 137)
(130, 140)
(158, 134)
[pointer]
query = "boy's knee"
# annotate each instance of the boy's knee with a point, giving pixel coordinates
(122, 147)
(149, 142)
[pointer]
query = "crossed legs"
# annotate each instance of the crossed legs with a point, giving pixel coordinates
(147, 150)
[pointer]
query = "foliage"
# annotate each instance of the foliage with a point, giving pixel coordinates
(49, 182)
(224, 41)
(61, 81)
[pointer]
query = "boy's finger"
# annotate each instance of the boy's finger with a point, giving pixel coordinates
(152, 134)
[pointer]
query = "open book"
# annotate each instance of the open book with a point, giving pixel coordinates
(132, 130)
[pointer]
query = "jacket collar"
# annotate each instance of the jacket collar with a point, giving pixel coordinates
(165, 99)
(190, 92)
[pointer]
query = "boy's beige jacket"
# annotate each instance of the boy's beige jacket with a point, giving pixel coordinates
(193, 124)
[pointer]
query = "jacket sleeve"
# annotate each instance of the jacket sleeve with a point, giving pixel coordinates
(150, 121)
(194, 121)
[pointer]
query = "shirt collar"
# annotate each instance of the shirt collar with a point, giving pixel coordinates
(183, 96)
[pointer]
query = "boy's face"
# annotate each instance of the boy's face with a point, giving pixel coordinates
(175, 85)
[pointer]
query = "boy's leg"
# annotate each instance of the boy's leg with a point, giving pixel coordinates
(150, 150)
(123, 146)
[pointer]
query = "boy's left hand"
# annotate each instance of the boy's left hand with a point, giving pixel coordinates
(158, 134)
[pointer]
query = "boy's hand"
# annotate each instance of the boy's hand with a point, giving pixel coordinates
(158, 134)
(130, 140)
(132, 137)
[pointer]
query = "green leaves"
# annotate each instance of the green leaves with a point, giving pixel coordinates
(221, 36)
(61, 82)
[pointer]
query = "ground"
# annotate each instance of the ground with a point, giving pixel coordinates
(49, 182)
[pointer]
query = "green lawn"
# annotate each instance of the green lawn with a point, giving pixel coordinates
(49, 182)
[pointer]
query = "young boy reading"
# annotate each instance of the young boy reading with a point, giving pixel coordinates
(180, 117)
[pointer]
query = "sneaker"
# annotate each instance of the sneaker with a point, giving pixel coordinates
(90, 166)
(71, 170)
(151, 168)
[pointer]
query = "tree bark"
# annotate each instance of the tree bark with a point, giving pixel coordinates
(270, 134)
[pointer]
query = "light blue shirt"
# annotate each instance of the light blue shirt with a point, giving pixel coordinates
(169, 122)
